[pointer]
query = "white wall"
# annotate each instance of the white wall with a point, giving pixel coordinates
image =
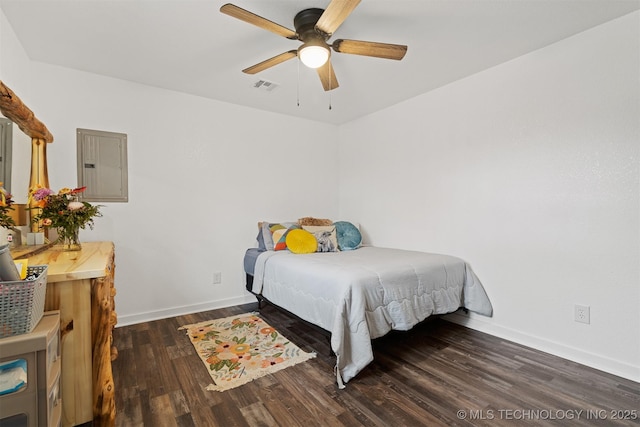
(530, 172)
(202, 173)
(14, 63)
(15, 67)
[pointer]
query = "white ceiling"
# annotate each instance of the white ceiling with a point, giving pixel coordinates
(189, 46)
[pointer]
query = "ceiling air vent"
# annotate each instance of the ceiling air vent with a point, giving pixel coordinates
(265, 85)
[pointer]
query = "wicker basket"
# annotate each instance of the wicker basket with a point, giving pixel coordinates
(22, 302)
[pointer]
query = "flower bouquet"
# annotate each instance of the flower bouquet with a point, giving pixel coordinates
(5, 206)
(64, 212)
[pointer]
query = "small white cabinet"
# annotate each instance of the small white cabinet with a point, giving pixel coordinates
(37, 403)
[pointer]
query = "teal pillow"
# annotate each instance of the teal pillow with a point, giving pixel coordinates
(349, 237)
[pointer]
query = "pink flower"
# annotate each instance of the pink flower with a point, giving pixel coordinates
(42, 193)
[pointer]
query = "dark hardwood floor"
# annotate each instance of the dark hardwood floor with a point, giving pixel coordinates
(438, 374)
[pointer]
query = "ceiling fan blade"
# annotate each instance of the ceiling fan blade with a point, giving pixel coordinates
(378, 50)
(327, 76)
(334, 15)
(258, 21)
(278, 59)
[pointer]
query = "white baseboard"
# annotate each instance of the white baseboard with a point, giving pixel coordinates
(592, 360)
(149, 316)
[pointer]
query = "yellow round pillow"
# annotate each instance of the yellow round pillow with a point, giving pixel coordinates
(301, 242)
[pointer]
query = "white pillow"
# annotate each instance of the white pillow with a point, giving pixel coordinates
(325, 235)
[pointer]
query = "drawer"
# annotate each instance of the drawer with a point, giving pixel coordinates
(53, 374)
(22, 408)
(53, 350)
(32, 379)
(19, 420)
(53, 400)
(55, 420)
(49, 400)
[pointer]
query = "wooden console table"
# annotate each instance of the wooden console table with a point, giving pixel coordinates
(80, 286)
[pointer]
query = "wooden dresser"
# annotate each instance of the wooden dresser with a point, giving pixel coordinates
(80, 285)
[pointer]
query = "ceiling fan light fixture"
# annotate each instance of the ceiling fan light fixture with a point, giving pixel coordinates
(314, 27)
(314, 54)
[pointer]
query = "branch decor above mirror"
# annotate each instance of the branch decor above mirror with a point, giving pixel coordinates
(14, 109)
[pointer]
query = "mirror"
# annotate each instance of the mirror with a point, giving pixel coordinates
(12, 108)
(6, 136)
(15, 147)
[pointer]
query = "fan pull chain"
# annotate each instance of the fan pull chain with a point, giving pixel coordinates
(298, 85)
(330, 75)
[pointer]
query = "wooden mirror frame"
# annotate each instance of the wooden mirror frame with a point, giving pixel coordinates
(14, 109)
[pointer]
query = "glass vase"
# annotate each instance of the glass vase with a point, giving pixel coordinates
(69, 239)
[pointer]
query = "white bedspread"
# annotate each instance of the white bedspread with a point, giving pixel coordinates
(363, 294)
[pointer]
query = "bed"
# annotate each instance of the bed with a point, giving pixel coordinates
(363, 293)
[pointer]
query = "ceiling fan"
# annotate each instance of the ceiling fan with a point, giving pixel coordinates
(314, 27)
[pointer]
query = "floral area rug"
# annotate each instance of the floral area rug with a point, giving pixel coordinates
(238, 349)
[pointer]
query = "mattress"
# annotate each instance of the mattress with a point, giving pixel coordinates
(362, 294)
(250, 258)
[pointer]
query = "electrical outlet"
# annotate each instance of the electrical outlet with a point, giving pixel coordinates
(217, 278)
(582, 314)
